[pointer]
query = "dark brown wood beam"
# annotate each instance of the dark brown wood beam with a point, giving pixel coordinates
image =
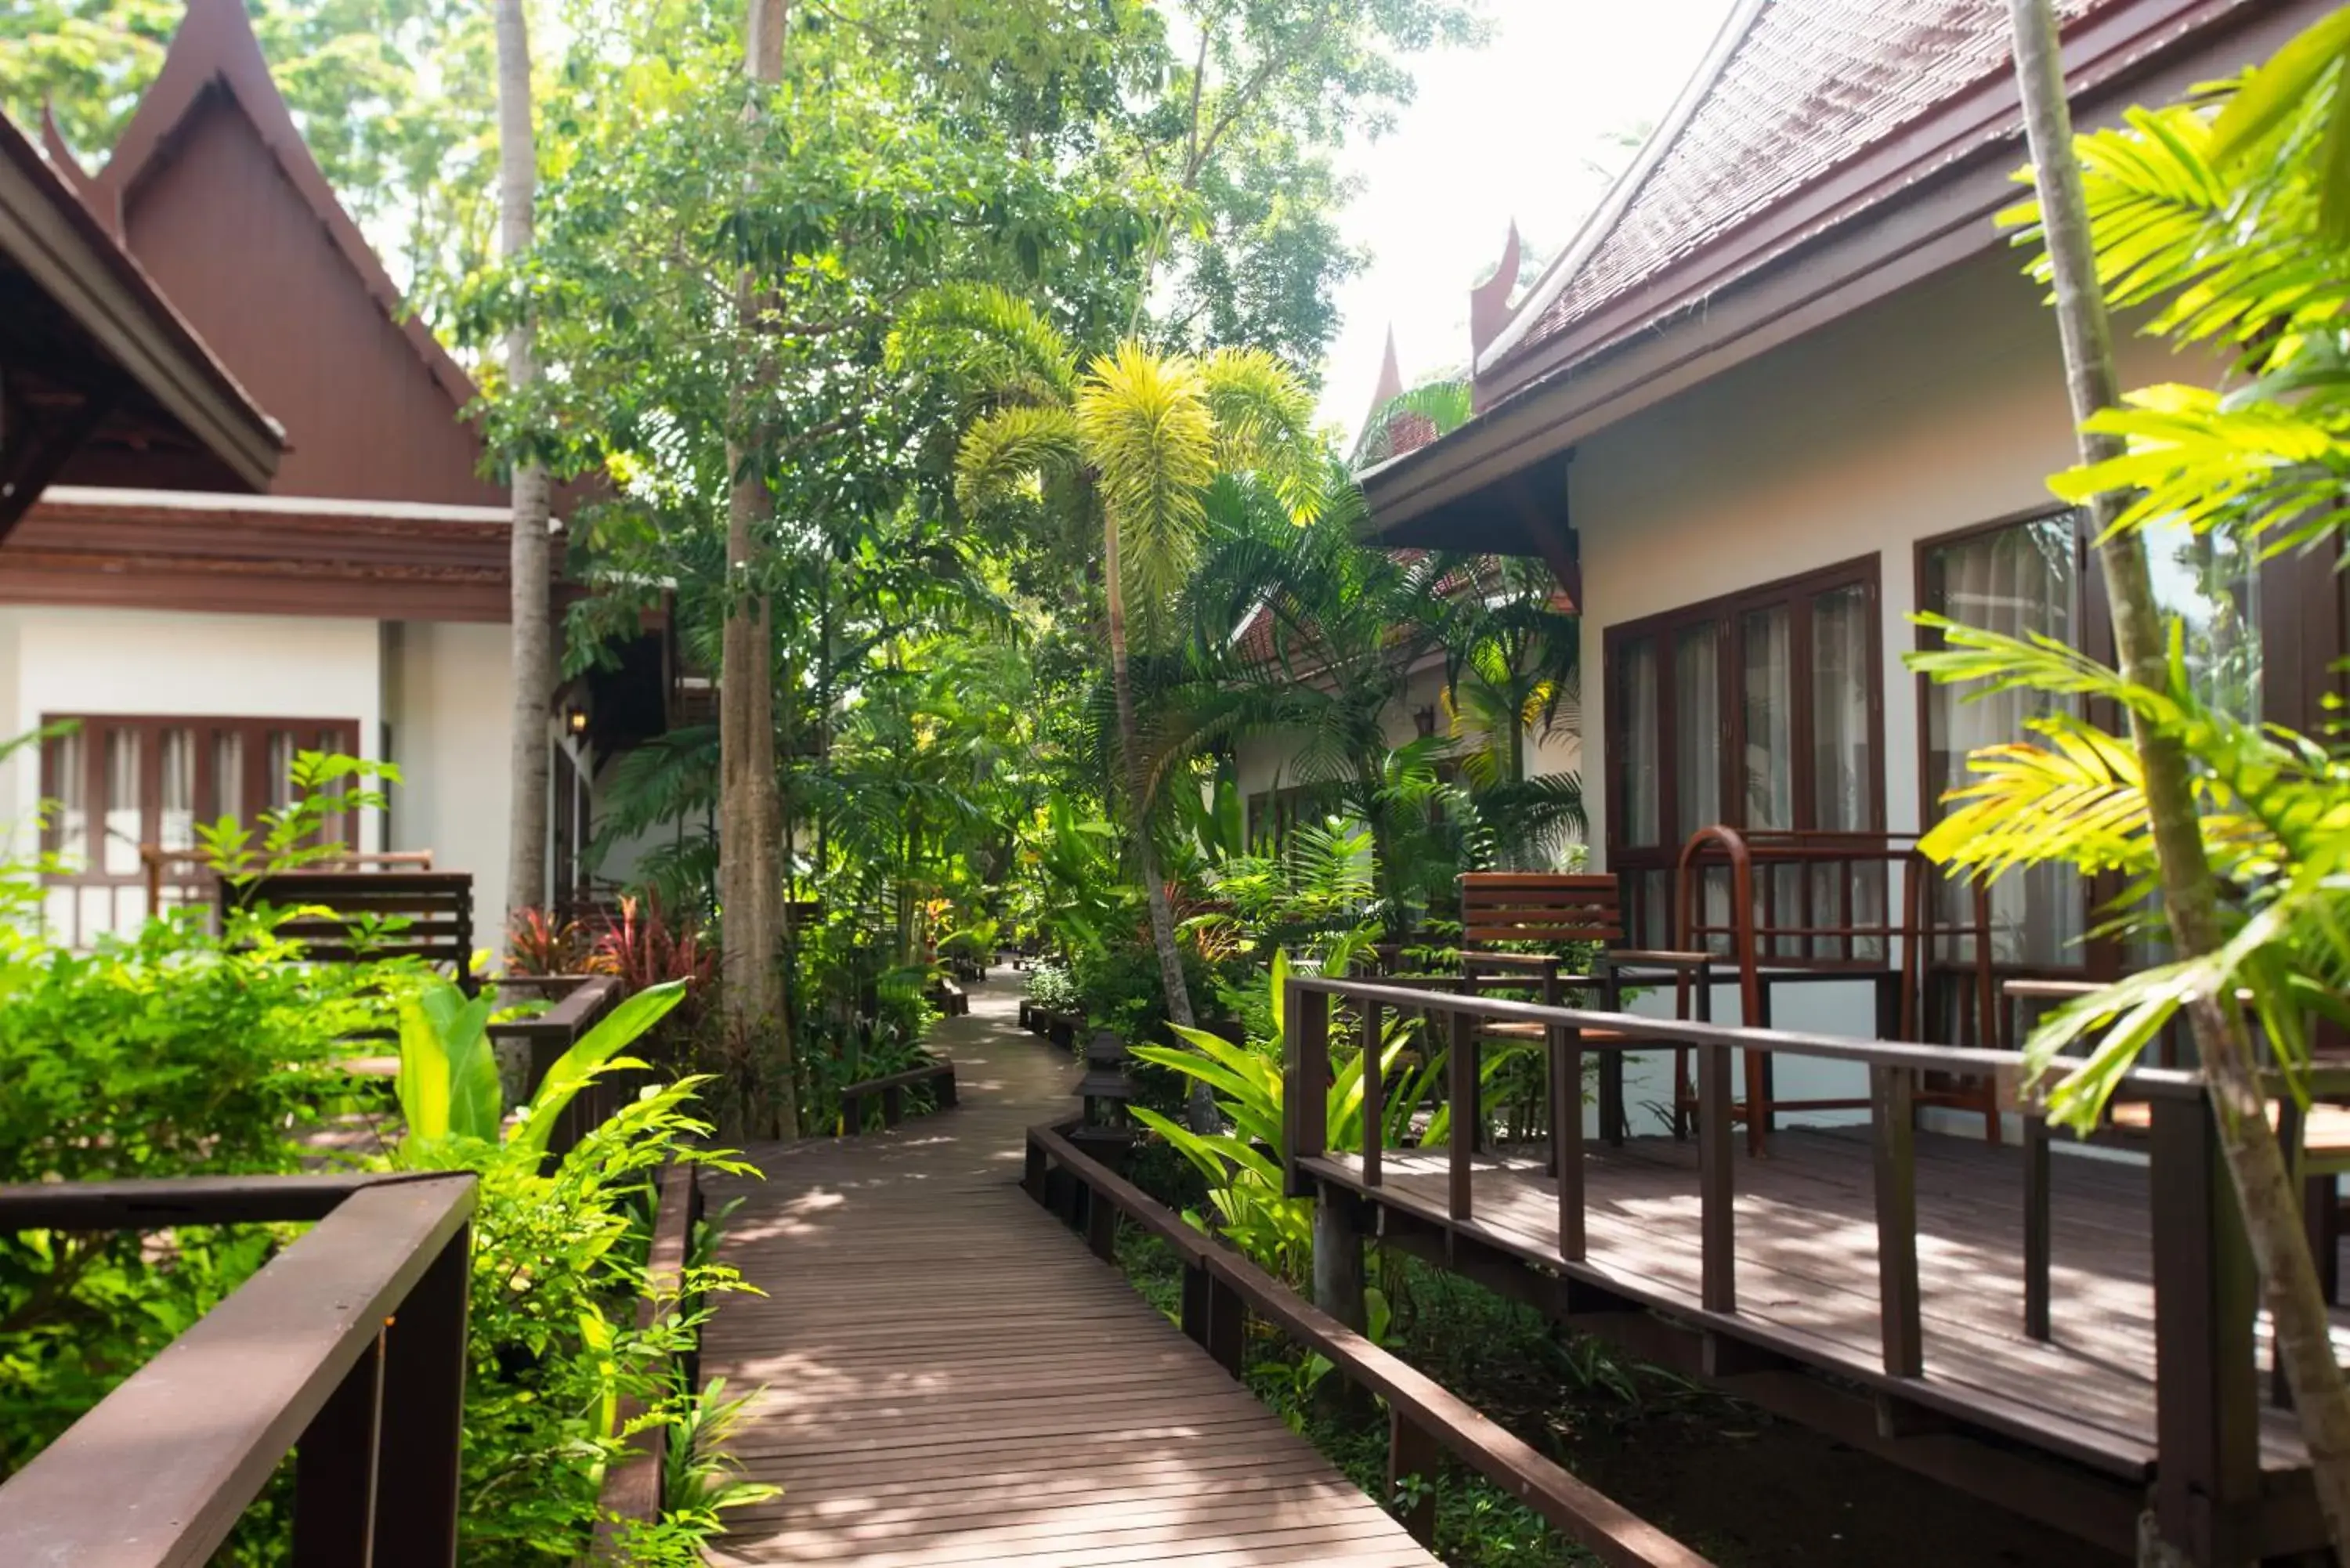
(33, 450)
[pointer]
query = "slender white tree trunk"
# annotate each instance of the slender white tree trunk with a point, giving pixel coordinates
(2189, 891)
(750, 858)
(528, 554)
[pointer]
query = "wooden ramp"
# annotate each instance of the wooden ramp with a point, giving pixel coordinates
(951, 1377)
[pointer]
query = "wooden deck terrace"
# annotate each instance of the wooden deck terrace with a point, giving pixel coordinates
(950, 1377)
(2010, 1321)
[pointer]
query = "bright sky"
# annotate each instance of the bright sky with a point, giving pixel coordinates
(1518, 128)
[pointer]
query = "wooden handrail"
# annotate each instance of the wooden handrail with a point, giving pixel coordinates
(2202, 1278)
(1425, 1414)
(348, 1348)
(632, 1488)
(890, 1090)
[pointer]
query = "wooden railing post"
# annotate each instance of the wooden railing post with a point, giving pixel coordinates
(1033, 1169)
(1460, 1085)
(1227, 1317)
(423, 1414)
(1375, 1092)
(1306, 1099)
(1413, 1457)
(1718, 1218)
(1893, 1117)
(2207, 1383)
(1566, 1136)
(335, 1470)
(1101, 1226)
(2037, 1251)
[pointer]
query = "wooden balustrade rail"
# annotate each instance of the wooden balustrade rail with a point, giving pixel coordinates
(545, 1036)
(348, 1348)
(632, 1488)
(1221, 1288)
(2206, 1380)
(890, 1090)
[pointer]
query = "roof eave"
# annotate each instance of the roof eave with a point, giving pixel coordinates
(48, 231)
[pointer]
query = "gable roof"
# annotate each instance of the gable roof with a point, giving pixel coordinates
(1791, 93)
(107, 377)
(213, 141)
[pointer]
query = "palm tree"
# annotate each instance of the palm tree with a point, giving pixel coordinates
(2266, 461)
(527, 560)
(1133, 440)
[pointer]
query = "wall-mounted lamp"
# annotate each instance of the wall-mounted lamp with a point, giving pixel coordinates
(575, 718)
(1425, 718)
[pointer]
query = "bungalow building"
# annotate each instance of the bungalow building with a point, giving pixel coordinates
(1276, 782)
(203, 621)
(1788, 385)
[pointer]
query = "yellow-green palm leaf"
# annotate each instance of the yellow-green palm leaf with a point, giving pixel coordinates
(1149, 436)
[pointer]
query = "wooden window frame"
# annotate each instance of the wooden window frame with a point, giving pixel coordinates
(1726, 613)
(186, 881)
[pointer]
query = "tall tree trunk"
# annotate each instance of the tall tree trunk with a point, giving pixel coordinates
(527, 555)
(750, 868)
(1199, 1110)
(2190, 893)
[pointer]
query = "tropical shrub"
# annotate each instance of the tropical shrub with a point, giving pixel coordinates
(1242, 1166)
(559, 1261)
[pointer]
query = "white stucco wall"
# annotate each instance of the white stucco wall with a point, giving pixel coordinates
(1940, 409)
(452, 688)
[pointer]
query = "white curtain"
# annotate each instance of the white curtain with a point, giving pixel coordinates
(2016, 581)
(1636, 731)
(1768, 679)
(1697, 730)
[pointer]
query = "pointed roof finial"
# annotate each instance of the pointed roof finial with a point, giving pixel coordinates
(1390, 383)
(1489, 302)
(59, 151)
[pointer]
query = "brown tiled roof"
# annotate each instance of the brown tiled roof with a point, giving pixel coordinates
(1807, 86)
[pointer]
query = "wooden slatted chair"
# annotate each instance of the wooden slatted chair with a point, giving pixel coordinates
(426, 915)
(1505, 913)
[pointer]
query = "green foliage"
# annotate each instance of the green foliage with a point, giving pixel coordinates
(2216, 214)
(1242, 1166)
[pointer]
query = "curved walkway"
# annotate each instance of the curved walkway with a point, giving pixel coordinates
(951, 1377)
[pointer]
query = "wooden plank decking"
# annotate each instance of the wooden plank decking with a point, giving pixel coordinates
(1807, 1275)
(951, 1377)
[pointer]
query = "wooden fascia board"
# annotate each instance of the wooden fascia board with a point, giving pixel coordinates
(2105, 49)
(40, 232)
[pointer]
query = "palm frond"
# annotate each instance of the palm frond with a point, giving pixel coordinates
(1264, 425)
(1150, 436)
(986, 339)
(1012, 449)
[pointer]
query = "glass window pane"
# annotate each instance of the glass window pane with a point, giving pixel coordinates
(124, 820)
(1697, 730)
(281, 769)
(1635, 748)
(2016, 581)
(1767, 684)
(2211, 582)
(1842, 768)
(67, 789)
(178, 771)
(228, 773)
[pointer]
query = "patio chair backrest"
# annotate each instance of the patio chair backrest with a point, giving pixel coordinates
(435, 911)
(1542, 908)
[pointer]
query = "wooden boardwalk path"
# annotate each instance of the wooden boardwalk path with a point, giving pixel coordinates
(951, 1377)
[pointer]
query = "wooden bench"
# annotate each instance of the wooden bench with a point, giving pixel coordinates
(358, 916)
(1503, 913)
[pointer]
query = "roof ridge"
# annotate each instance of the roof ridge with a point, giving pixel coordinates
(1737, 26)
(215, 44)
